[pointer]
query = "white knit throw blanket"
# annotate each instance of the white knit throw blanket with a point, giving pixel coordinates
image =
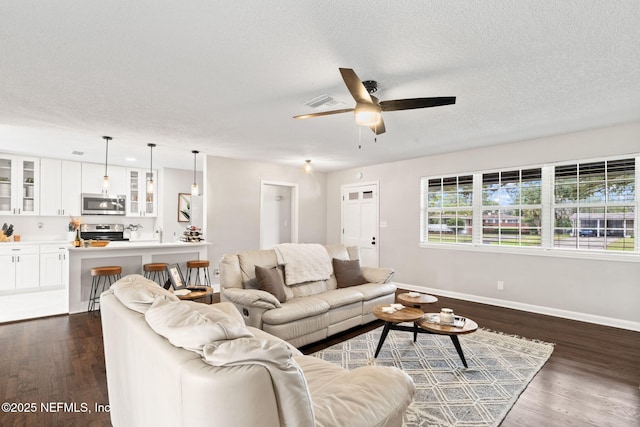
(303, 262)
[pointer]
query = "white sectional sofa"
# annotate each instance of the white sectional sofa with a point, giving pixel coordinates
(179, 363)
(312, 310)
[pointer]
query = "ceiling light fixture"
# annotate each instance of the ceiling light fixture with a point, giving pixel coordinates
(194, 186)
(367, 114)
(150, 182)
(105, 180)
(307, 167)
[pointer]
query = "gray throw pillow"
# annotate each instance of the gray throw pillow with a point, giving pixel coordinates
(348, 273)
(269, 280)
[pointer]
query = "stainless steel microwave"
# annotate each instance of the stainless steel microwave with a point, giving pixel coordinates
(103, 204)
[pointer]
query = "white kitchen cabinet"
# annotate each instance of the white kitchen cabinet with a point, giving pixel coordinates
(8, 268)
(139, 201)
(93, 174)
(19, 185)
(61, 187)
(20, 266)
(54, 265)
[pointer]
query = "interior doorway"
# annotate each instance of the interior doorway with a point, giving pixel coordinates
(278, 213)
(360, 210)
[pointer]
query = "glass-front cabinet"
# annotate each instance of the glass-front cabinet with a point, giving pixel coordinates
(19, 185)
(140, 201)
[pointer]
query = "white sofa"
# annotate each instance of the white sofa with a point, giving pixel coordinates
(313, 310)
(204, 367)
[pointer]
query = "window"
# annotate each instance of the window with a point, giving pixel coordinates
(594, 205)
(447, 209)
(511, 207)
(589, 205)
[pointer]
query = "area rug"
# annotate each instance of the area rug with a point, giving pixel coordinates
(448, 394)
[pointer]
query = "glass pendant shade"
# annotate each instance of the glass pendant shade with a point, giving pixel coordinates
(195, 191)
(105, 179)
(150, 181)
(307, 167)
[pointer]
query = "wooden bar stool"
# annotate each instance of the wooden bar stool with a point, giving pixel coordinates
(101, 276)
(156, 271)
(197, 265)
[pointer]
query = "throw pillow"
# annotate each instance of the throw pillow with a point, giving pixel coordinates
(348, 273)
(269, 280)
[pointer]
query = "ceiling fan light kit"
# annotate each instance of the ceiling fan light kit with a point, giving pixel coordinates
(368, 110)
(367, 114)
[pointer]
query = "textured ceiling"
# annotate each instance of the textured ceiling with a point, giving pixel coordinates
(226, 78)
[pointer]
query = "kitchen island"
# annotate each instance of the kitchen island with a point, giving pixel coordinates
(131, 256)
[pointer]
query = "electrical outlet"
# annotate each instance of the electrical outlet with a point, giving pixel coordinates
(500, 285)
(216, 272)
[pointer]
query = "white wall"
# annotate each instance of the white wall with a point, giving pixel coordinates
(595, 290)
(233, 204)
(172, 182)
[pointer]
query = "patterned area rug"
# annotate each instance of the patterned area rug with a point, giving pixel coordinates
(447, 393)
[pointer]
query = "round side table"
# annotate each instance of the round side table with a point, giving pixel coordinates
(391, 320)
(453, 331)
(410, 301)
(205, 292)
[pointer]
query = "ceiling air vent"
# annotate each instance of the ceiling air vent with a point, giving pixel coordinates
(322, 100)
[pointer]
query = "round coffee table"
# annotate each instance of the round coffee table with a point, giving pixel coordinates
(200, 293)
(391, 320)
(416, 301)
(453, 331)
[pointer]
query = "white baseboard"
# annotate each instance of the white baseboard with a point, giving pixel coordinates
(573, 315)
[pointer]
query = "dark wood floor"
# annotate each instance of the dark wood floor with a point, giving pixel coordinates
(591, 379)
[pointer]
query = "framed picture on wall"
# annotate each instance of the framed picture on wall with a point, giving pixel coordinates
(175, 277)
(184, 207)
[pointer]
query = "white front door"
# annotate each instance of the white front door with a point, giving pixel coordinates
(360, 221)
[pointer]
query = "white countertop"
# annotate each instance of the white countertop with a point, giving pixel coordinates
(112, 245)
(36, 242)
(138, 245)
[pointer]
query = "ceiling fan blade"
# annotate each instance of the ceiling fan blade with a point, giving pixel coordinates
(355, 86)
(323, 113)
(379, 127)
(413, 103)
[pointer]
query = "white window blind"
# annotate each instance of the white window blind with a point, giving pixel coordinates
(589, 205)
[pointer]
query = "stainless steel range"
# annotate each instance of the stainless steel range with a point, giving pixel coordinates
(112, 232)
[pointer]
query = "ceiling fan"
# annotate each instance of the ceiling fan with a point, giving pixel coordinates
(368, 109)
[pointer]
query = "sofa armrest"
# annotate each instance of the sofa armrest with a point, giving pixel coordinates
(251, 303)
(378, 275)
(251, 298)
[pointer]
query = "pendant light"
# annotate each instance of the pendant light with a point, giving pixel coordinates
(194, 186)
(150, 182)
(307, 167)
(105, 180)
